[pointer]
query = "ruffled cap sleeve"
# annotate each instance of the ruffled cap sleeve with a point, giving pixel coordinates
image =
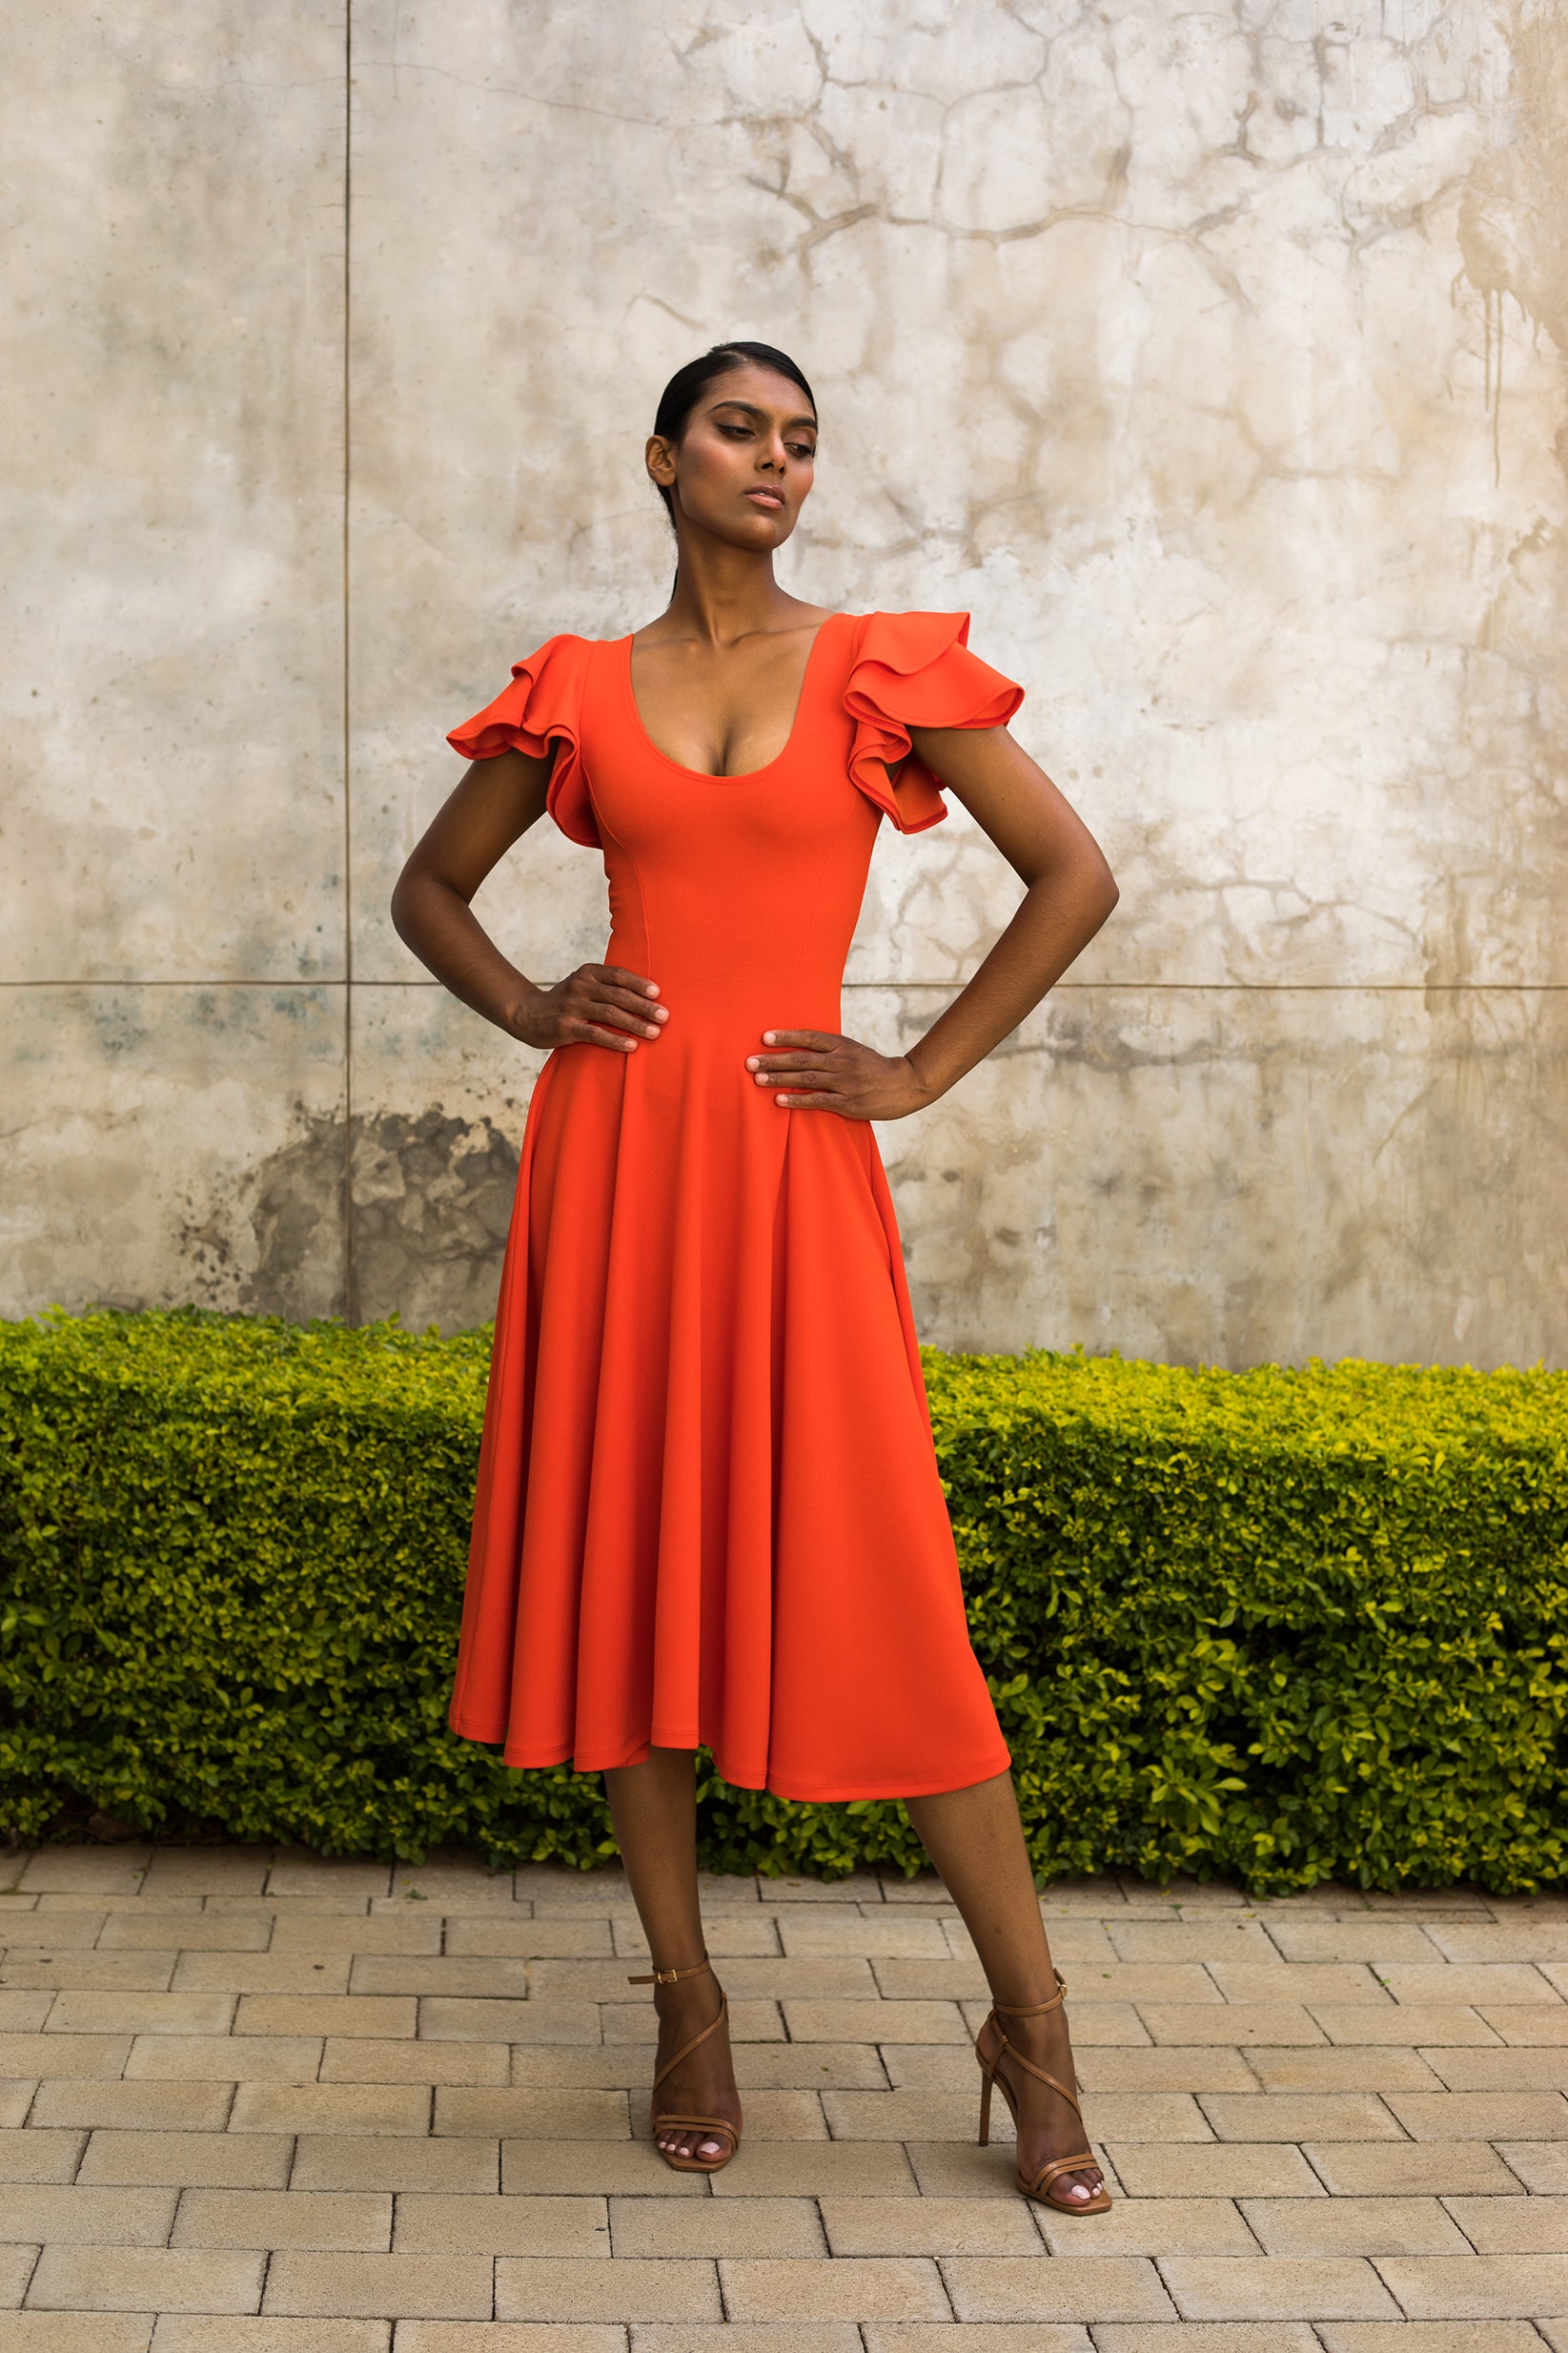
(915, 670)
(541, 707)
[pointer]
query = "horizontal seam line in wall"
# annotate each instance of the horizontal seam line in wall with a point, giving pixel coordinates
(1145, 987)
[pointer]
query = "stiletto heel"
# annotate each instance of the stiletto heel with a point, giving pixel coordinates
(711, 2124)
(1038, 2184)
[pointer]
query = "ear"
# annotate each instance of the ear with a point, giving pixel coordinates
(658, 457)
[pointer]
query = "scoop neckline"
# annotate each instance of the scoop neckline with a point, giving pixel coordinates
(741, 776)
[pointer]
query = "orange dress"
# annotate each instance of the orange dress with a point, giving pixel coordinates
(708, 1510)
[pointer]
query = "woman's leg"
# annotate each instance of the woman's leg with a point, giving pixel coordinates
(653, 1807)
(976, 1841)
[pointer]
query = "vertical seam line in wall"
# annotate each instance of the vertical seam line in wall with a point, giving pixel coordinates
(351, 1287)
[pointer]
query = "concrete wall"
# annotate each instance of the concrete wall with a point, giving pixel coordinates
(1214, 361)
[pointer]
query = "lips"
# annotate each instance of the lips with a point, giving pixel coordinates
(772, 500)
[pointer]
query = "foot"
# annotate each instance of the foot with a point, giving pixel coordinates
(1047, 2128)
(703, 2084)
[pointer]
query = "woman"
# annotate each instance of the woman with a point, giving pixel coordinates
(708, 1508)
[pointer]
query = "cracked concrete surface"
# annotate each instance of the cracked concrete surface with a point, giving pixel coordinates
(1214, 360)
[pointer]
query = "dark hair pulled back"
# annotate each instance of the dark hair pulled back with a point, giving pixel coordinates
(688, 385)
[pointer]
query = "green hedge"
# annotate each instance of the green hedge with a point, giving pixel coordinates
(1285, 1624)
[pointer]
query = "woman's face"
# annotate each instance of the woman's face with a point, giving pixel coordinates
(743, 465)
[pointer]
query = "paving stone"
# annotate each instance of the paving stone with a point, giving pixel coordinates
(88, 2217)
(379, 2108)
(513, 2337)
(96, 1871)
(555, 2288)
(1482, 2115)
(407, 1972)
(878, 2021)
(187, 2334)
(1374, 2067)
(76, 2332)
(1154, 2226)
(323, 2162)
(559, 2115)
(443, 2018)
(1543, 2167)
(850, 2289)
(592, 2169)
(855, 1887)
(16, 2101)
(401, 1931)
(383, 2017)
(380, 2286)
(551, 1887)
(206, 1870)
(959, 2169)
(777, 2226)
(299, 1872)
(555, 1937)
(231, 2160)
(1359, 2225)
(827, 2066)
(1498, 2069)
(1448, 1981)
(444, 2223)
(34, 2155)
(841, 1976)
(1527, 2025)
(1216, 1937)
(34, 1929)
(1210, 2336)
(32, 2055)
(23, 2012)
(314, 2219)
(146, 2280)
(1140, 1982)
(1431, 2337)
(1382, 1943)
(353, 2060)
(758, 2337)
(1421, 2023)
(1259, 2023)
(141, 2014)
(926, 2226)
(1298, 1981)
(1224, 2169)
(1170, 2067)
(1305, 2116)
(76, 1972)
(1068, 2287)
(1271, 2288)
(900, 1936)
(1502, 2287)
(1539, 1941)
(520, 2337)
(262, 1972)
(451, 1882)
(1510, 2225)
(1409, 2169)
(223, 2058)
(183, 1932)
(785, 2169)
(133, 2107)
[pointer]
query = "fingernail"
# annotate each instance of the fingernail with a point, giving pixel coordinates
(768, 1038)
(751, 1062)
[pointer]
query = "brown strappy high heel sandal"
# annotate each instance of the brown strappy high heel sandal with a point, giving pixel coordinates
(711, 2124)
(1038, 2185)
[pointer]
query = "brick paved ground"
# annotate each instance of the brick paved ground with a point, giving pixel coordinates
(270, 2104)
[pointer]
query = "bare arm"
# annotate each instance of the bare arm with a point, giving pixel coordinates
(1070, 894)
(491, 808)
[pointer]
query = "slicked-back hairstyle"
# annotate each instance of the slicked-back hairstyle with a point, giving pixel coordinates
(688, 385)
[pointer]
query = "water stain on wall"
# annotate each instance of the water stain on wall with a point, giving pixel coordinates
(432, 1197)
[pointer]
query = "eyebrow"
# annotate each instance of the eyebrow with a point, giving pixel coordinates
(750, 409)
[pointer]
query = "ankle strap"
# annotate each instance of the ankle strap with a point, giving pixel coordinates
(1032, 2010)
(668, 1976)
